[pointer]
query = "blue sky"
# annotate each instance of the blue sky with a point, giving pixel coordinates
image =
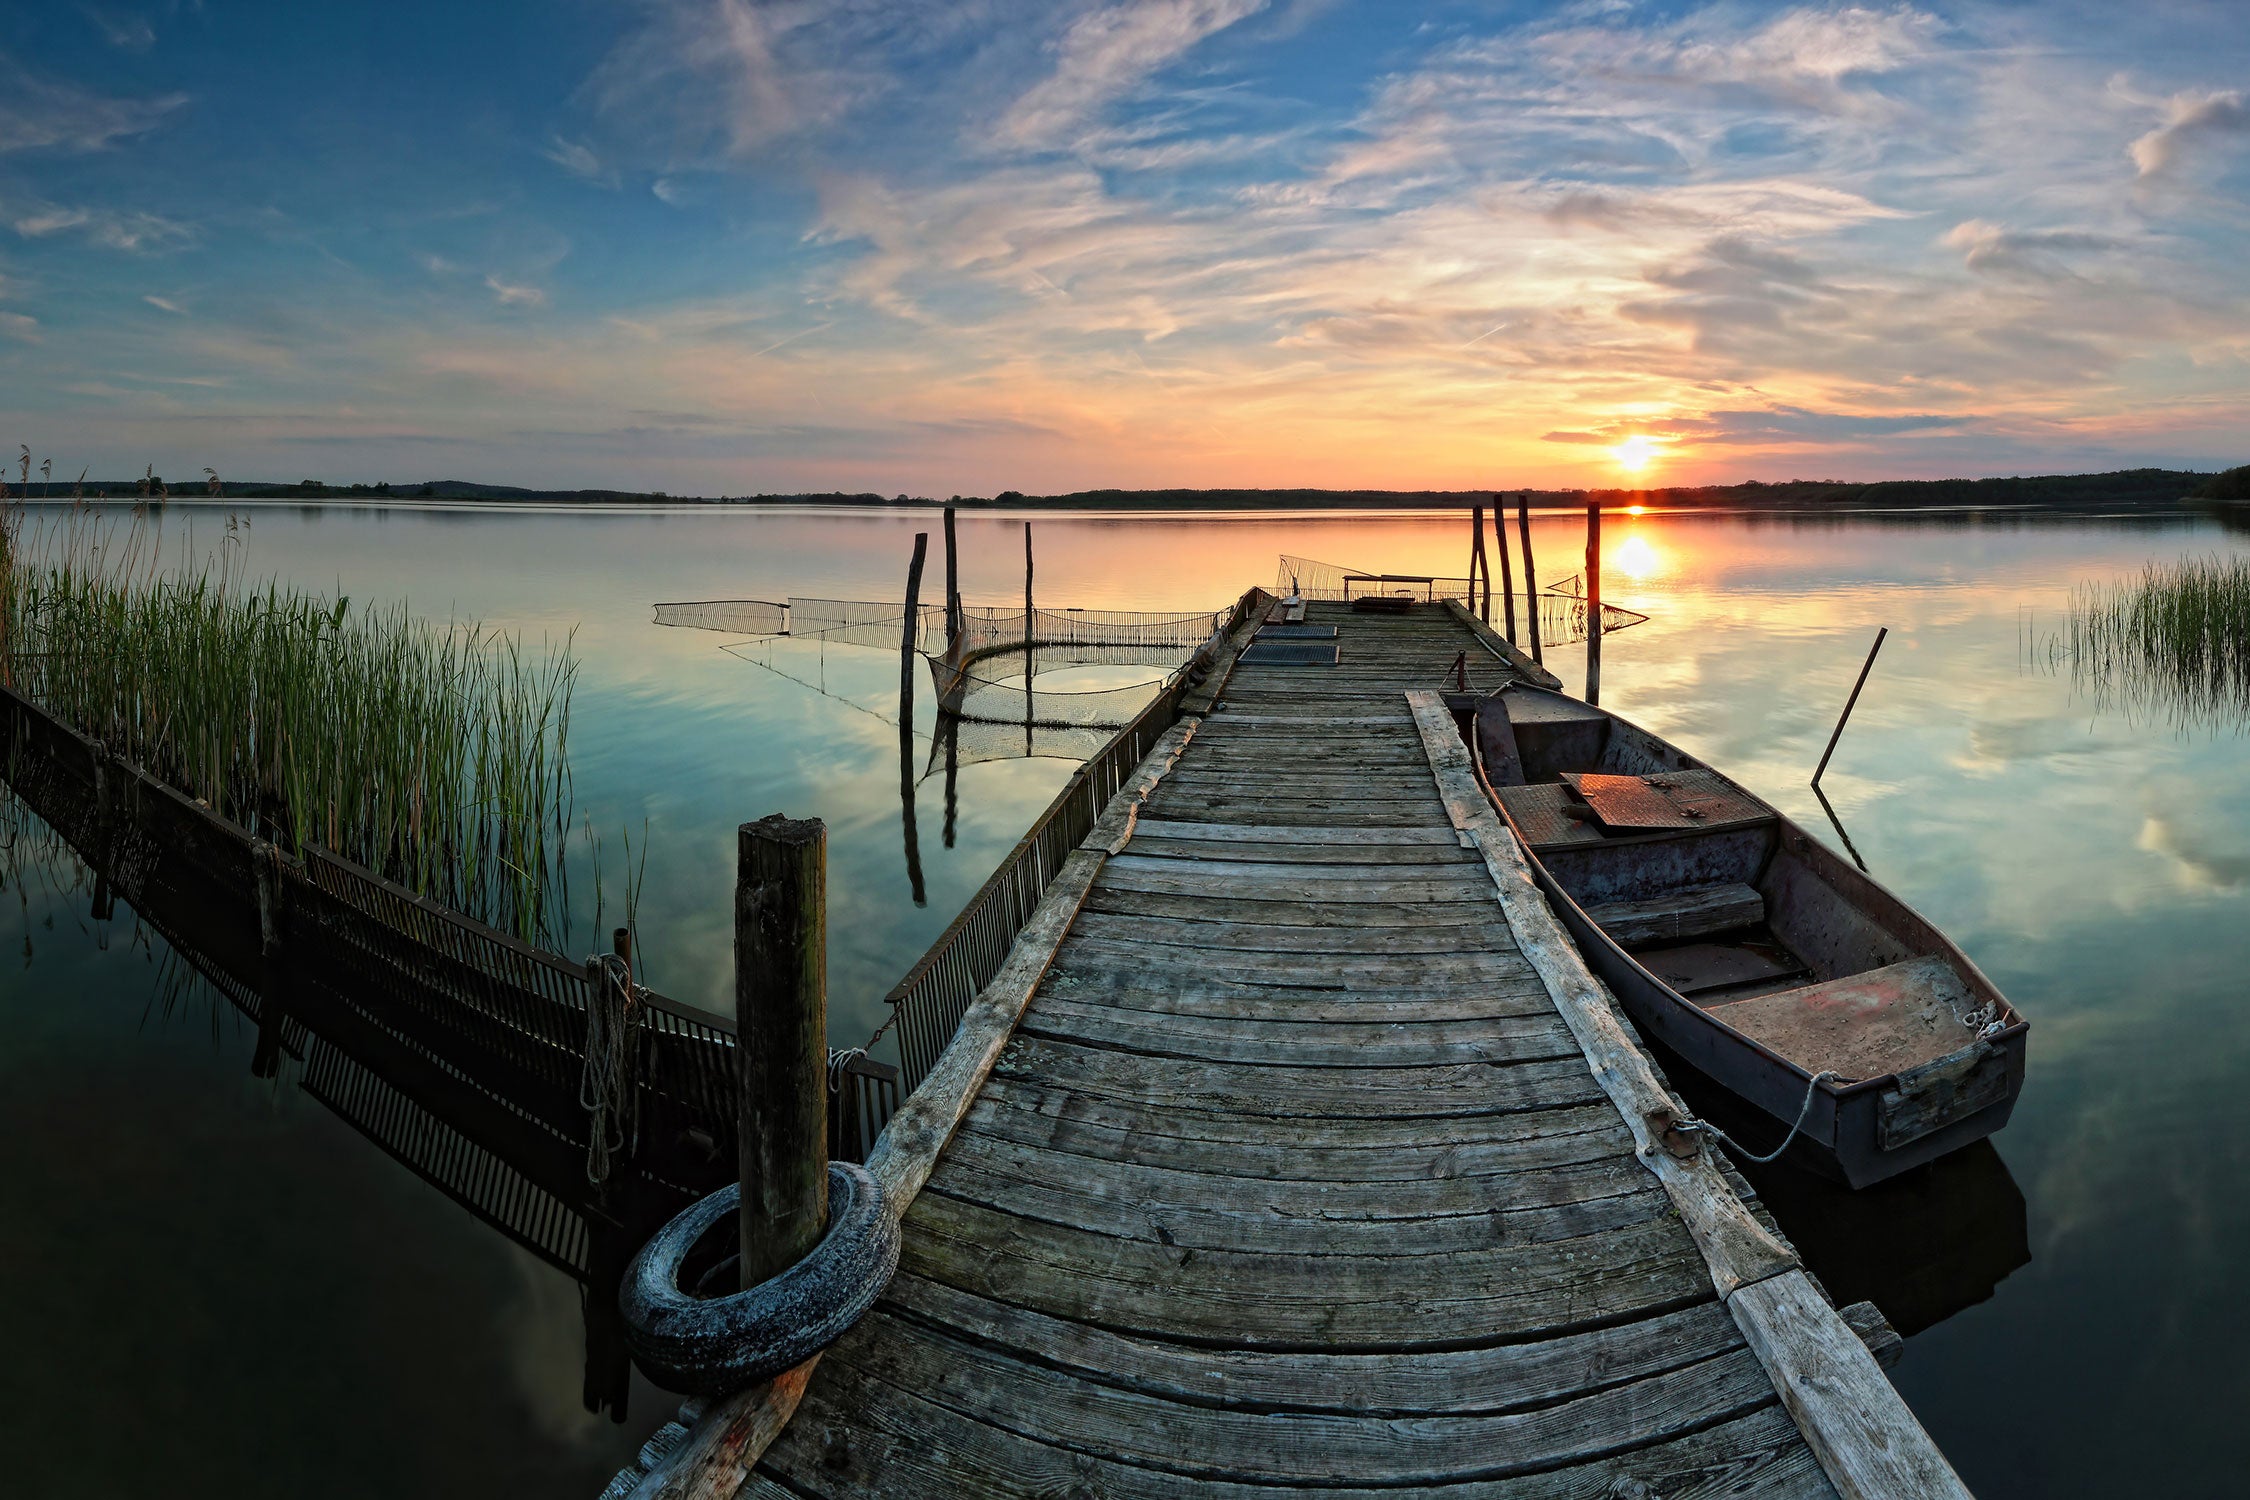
(714, 246)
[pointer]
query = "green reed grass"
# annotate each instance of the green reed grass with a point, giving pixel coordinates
(432, 754)
(2174, 642)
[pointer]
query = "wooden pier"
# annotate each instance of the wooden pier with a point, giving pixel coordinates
(1296, 1149)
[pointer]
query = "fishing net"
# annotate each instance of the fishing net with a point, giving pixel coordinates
(1020, 700)
(1309, 578)
(1061, 637)
(734, 616)
(969, 742)
(1562, 607)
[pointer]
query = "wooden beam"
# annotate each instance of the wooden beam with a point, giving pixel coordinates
(781, 1019)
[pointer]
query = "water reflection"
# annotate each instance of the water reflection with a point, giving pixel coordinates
(1922, 1247)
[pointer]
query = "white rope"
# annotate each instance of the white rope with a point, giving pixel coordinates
(1804, 1113)
(608, 1089)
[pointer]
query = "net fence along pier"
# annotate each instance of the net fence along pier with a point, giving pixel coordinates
(1562, 606)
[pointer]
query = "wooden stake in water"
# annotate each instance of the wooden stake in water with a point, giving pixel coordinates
(1530, 577)
(952, 592)
(1507, 571)
(911, 634)
(781, 1022)
(1479, 569)
(1845, 717)
(1593, 604)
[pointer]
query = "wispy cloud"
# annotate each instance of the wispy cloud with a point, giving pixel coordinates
(1105, 54)
(107, 227)
(579, 160)
(515, 294)
(19, 326)
(40, 113)
(131, 32)
(165, 304)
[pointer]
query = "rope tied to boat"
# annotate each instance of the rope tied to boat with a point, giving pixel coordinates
(609, 1086)
(840, 1063)
(1693, 1126)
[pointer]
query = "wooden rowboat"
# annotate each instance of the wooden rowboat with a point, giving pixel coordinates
(1747, 948)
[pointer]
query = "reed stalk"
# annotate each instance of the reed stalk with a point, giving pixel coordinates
(2172, 643)
(432, 754)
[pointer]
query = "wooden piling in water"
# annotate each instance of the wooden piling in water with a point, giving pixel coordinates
(781, 1022)
(1480, 568)
(910, 633)
(1507, 572)
(1593, 604)
(1530, 577)
(952, 591)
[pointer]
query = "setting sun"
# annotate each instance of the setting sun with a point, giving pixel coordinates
(1634, 453)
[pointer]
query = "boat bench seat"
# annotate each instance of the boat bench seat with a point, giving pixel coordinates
(1691, 911)
(1886, 1020)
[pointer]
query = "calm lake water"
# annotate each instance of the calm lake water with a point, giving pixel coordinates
(218, 1287)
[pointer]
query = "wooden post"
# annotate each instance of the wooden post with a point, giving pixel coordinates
(1849, 703)
(781, 1022)
(1479, 566)
(1507, 571)
(910, 635)
(1593, 604)
(953, 620)
(1530, 577)
(1028, 617)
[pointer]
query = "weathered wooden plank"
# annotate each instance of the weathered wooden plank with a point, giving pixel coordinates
(1249, 966)
(863, 1438)
(1867, 1440)
(1287, 811)
(1356, 852)
(1202, 1442)
(1259, 833)
(1128, 991)
(1269, 907)
(1252, 1145)
(1491, 936)
(1246, 720)
(1114, 829)
(1333, 1044)
(1297, 1301)
(1329, 1093)
(1125, 871)
(1492, 1378)
(1133, 1200)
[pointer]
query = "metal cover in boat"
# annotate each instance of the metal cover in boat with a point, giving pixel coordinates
(1629, 802)
(1543, 811)
(1672, 799)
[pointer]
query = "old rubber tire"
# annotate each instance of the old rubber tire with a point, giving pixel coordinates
(707, 1346)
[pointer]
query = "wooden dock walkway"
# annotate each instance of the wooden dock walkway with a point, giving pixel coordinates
(1306, 1165)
